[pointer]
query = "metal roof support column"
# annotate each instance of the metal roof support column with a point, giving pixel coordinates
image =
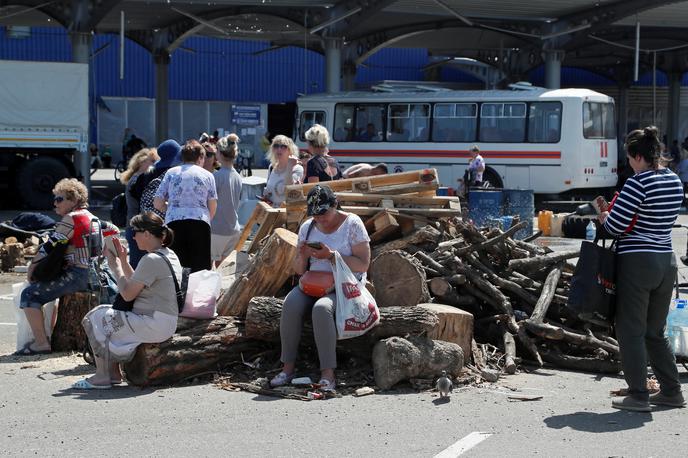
(81, 52)
(674, 107)
(553, 60)
(622, 110)
(349, 76)
(162, 95)
(333, 64)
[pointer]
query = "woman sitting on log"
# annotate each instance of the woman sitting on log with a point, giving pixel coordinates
(71, 201)
(329, 230)
(115, 334)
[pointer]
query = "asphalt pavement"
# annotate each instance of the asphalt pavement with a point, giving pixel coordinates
(41, 416)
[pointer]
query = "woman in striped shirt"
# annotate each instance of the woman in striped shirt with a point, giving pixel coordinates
(642, 217)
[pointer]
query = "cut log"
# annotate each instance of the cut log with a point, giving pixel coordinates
(397, 359)
(455, 325)
(603, 366)
(265, 275)
(199, 346)
(399, 279)
(448, 294)
(529, 265)
(263, 318)
(425, 235)
(68, 334)
(11, 254)
(509, 350)
(382, 226)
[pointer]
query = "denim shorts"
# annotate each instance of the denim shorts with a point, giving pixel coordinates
(73, 279)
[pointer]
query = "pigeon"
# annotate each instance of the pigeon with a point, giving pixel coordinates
(444, 385)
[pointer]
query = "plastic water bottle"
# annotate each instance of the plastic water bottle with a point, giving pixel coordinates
(677, 326)
(590, 231)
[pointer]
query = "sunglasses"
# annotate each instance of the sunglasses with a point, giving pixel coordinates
(279, 146)
(58, 199)
(137, 230)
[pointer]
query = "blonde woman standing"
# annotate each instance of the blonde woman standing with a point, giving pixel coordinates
(321, 166)
(284, 169)
(138, 166)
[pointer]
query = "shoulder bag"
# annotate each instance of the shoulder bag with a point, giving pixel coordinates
(315, 283)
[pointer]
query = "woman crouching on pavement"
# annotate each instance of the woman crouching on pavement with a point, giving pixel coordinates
(113, 334)
(329, 230)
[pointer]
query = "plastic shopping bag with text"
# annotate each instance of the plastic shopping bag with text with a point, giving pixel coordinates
(356, 311)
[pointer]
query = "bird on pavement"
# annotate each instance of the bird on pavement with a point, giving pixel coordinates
(444, 385)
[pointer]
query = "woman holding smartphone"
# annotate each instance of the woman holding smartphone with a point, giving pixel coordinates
(329, 230)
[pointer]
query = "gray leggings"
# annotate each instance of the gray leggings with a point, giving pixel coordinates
(644, 284)
(296, 304)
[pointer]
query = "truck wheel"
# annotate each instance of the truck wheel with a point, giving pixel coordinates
(36, 180)
(492, 177)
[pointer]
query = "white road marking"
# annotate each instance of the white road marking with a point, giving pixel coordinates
(8, 324)
(463, 445)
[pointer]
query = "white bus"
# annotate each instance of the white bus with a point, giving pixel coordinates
(559, 141)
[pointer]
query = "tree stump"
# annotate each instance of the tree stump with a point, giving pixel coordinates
(455, 326)
(399, 280)
(264, 276)
(68, 334)
(197, 347)
(397, 359)
(11, 254)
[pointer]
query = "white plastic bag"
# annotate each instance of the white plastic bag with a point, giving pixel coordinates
(357, 311)
(24, 333)
(201, 295)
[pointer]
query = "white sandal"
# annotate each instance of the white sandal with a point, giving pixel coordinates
(327, 385)
(281, 379)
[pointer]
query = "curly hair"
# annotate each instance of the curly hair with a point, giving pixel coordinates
(282, 140)
(191, 151)
(136, 161)
(318, 136)
(74, 190)
(228, 146)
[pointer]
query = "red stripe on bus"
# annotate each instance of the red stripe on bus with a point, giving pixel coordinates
(446, 153)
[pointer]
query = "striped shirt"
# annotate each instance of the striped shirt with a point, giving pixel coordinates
(656, 197)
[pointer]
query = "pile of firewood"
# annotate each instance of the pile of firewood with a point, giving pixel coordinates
(517, 292)
(472, 301)
(15, 253)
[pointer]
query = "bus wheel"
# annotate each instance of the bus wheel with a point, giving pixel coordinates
(492, 177)
(36, 180)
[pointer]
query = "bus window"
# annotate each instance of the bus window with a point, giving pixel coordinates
(598, 120)
(408, 122)
(370, 120)
(502, 122)
(308, 119)
(544, 122)
(454, 122)
(344, 122)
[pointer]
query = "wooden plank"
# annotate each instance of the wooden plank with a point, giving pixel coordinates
(247, 229)
(382, 226)
(427, 212)
(427, 177)
(267, 224)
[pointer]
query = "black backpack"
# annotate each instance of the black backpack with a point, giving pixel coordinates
(118, 211)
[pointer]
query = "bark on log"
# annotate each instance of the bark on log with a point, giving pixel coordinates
(68, 334)
(509, 350)
(490, 242)
(455, 326)
(198, 346)
(548, 331)
(426, 234)
(546, 297)
(263, 317)
(11, 254)
(264, 276)
(447, 294)
(603, 366)
(399, 279)
(397, 359)
(540, 262)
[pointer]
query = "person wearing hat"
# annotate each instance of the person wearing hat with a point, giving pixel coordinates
(169, 152)
(476, 166)
(329, 230)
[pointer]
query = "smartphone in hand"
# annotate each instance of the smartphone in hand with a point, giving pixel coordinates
(314, 245)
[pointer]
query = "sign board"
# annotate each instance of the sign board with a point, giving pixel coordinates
(246, 115)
